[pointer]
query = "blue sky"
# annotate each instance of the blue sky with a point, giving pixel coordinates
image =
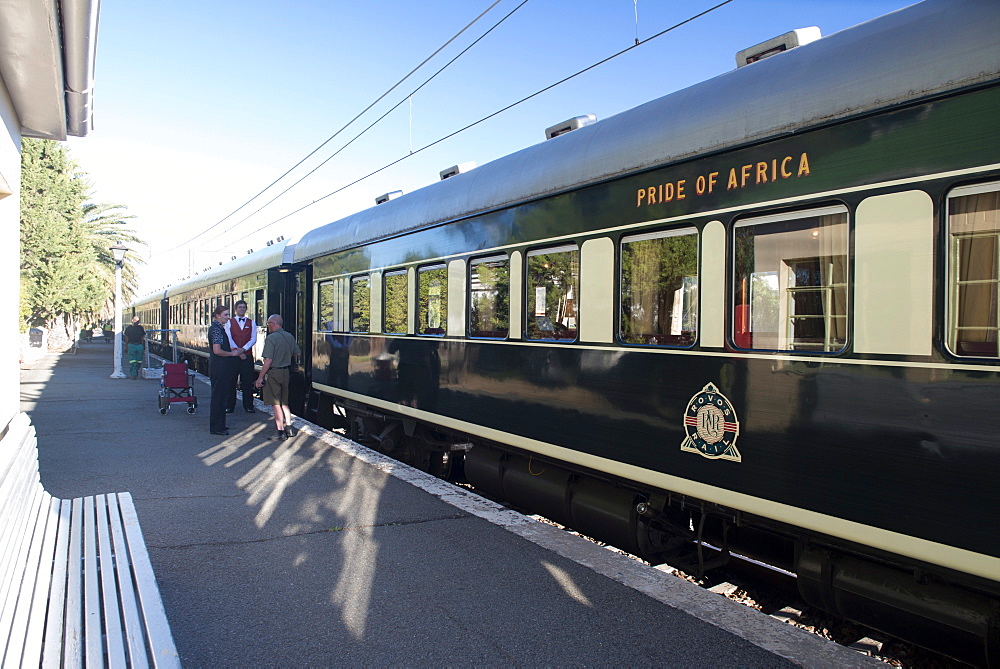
(200, 105)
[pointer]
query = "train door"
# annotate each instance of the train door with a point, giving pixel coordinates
(287, 291)
(164, 325)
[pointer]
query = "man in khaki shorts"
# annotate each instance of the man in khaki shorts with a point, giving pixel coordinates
(279, 347)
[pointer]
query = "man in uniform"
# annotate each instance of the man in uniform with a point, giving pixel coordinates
(279, 348)
(242, 333)
(135, 340)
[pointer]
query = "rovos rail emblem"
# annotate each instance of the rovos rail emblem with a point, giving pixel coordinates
(711, 426)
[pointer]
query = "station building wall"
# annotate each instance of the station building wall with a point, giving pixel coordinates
(10, 217)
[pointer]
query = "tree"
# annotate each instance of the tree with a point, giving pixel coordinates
(67, 270)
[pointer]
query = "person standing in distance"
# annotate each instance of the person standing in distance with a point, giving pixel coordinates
(242, 333)
(222, 370)
(135, 340)
(279, 347)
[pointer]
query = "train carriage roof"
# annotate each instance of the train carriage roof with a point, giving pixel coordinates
(252, 263)
(924, 50)
(148, 299)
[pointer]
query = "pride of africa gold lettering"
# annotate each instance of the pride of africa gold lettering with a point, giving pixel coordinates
(752, 174)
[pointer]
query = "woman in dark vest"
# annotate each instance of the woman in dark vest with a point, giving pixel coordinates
(222, 370)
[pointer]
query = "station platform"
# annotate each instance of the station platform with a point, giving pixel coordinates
(318, 551)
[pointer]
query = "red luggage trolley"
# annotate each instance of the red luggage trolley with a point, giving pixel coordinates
(177, 385)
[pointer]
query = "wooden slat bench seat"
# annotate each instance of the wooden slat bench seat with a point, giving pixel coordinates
(76, 585)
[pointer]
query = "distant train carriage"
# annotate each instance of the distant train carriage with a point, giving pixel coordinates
(266, 280)
(150, 310)
(760, 313)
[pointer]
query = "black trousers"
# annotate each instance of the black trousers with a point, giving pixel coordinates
(244, 376)
(223, 376)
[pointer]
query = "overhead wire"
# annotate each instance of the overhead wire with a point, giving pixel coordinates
(344, 127)
(375, 122)
(496, 113)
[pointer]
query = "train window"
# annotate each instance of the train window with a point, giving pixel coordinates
(396, 306)
(432, 305)
(489, 303)
(361, 303)
(258, 313)
(553, 281)
(659, 301)
(325, 304)
(974, 233)
(790, 275)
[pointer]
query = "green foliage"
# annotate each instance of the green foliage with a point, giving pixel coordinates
(490, 298)
(432, 300)
(327, 306)
(396, 301)
(67, 270)
(653, 274)
(361, 304)
(552, 291)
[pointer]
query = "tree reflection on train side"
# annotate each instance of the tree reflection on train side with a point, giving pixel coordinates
(489, 299)
(553, 285)
(432, 300)
(660, 288)
(361, 307)
(397, 297)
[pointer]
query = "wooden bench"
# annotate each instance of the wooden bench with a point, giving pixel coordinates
(76, 585)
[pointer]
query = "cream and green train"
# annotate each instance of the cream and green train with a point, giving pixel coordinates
(760, 313)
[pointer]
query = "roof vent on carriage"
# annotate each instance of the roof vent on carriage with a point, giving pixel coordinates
(455, 170)
(773, 47)
(574, 123)
(382, 199)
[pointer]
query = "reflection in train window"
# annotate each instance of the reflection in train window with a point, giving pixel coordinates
(553, 283)
(790, 277)
(260, 318)
(325, 306)
(361, 303)
(396, 306)
(432, 304)
(974, 230)
(489, 303)
(660, 288)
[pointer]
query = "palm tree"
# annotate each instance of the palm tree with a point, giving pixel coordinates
(104, 225)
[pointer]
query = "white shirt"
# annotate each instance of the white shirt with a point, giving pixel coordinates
(241, 321)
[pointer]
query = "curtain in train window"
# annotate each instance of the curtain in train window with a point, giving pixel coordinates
(361, 303)
(432, 291)
(489, 303)
(553, 283)
(974, 227)
(660, 288)
(791, 281)
(397, 297)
